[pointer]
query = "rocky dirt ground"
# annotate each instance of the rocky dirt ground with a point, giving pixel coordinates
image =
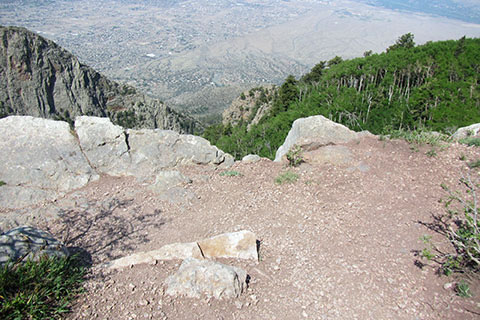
(340, 243)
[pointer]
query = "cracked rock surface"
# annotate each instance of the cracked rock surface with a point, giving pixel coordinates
(42, 160)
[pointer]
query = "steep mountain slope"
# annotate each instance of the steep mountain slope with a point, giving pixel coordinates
(39, 78)
(433, 86)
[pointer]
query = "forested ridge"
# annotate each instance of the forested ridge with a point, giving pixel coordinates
(429, 87)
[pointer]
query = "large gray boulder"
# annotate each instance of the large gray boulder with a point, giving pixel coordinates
(28, 243)
(142, 153)
(39, 160)
(196, 278)
(104, 144)
(314, 132)
(168, 149)
(465, 132)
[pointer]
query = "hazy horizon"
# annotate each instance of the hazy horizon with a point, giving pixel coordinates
(199, 55)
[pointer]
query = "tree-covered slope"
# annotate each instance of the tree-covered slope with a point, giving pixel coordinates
(432, 86)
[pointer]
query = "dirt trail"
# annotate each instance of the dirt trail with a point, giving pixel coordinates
(340, 243)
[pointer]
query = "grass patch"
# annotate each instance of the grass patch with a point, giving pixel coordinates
(2, 183)
(231, 173)
(474, 164)
(39, 290)
(286, 177)
(420, 137)
(471, 141)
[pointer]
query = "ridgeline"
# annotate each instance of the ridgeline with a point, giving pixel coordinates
(429, 87)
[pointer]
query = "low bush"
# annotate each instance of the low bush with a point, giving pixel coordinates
(295, 156)
(461, 225)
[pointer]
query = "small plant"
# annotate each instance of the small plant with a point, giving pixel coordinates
(471, 141)
(230, 173)
(295, 156)
(427, 254)
(462, 227)
(39, 290)
(286, 177)
(460, 224)
(463, 289)
(432, 153)
(2, 183)
(474, 164)
(462, 157)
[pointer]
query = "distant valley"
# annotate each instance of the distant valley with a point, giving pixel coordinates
(199, 55)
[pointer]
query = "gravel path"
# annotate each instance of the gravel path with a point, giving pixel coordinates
(340, 243)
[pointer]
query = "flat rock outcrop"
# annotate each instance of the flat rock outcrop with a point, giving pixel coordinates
(315, 132)
(238, 245)
(168, 252)
(41, 159)
(41, 79)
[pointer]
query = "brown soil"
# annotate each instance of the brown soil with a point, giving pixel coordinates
(340, 243)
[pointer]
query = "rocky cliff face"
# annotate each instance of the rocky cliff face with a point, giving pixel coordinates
(250, 106)
(41, 79)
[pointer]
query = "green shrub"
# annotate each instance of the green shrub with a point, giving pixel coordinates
(463, 289)
(461, 225)
(2, 183)
(286, 177)
(295, 156)
(39, 290)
